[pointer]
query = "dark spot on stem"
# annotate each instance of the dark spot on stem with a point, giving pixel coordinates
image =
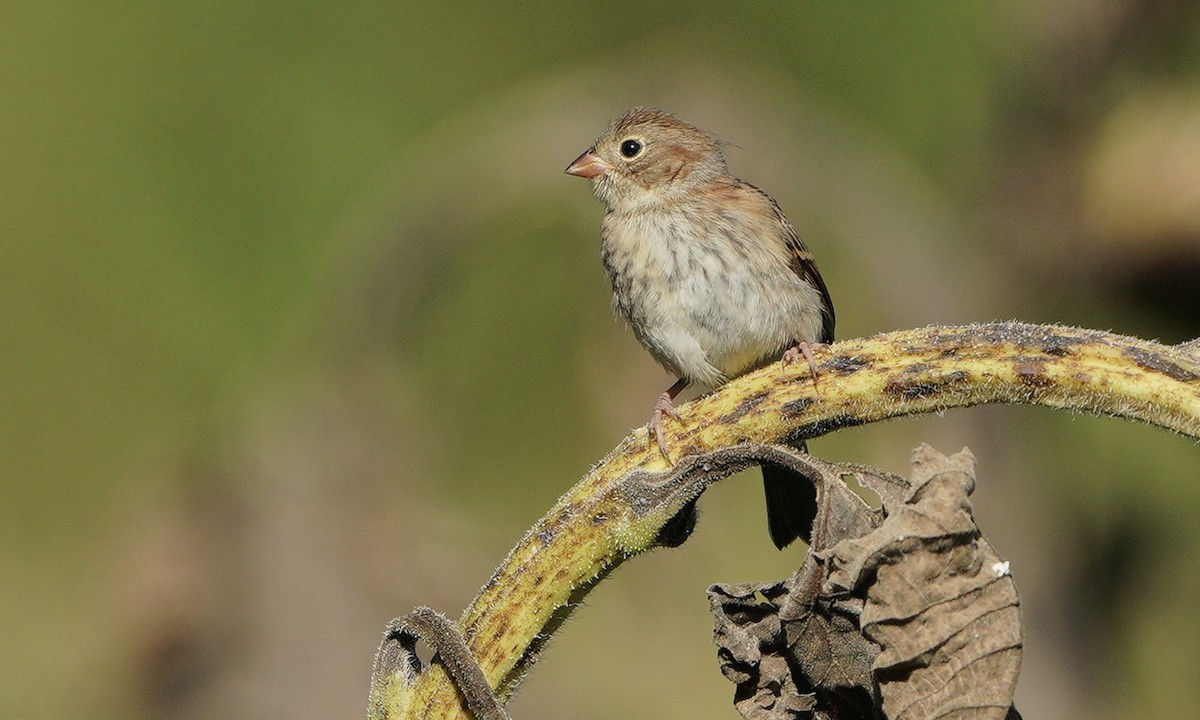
(824, 427)
(744, 407)
(847, 365)
(925, 387)
(1032, 374)
(1152, 362)
(797, 407)
(911, 390)
(499, 630)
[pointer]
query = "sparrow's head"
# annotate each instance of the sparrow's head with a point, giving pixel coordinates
(648, 155)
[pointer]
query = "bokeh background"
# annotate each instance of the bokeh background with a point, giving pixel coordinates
(302, 325)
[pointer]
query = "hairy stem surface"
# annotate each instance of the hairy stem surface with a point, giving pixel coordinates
(608, 516)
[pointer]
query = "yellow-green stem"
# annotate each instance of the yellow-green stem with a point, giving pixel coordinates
(593, 527)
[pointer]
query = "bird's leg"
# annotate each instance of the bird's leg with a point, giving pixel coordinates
(803, 349)
(662, 407)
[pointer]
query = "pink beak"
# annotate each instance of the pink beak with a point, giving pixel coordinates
(586, 166)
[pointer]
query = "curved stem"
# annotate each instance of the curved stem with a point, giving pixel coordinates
(617, 509)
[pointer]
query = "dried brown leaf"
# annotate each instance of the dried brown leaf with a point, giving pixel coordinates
(752, 651)
(905, 606)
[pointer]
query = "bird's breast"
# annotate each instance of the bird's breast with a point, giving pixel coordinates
(706, 298)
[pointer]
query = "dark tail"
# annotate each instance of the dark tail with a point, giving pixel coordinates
(791, 504)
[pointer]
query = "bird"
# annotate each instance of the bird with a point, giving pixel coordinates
(707, 271)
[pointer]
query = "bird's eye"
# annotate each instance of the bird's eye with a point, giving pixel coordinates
(631, 147)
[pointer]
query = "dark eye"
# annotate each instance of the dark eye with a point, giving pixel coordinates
(630, 148)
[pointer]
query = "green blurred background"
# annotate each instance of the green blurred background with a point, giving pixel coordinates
(303, 325)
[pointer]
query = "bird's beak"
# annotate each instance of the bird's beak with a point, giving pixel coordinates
(587, 165)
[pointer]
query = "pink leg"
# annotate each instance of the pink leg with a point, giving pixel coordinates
(662, 407)
(804, 349)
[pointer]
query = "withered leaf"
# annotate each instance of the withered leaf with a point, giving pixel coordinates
(907, 607)
(752, 652)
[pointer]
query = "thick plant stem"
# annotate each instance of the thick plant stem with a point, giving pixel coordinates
(618, 508)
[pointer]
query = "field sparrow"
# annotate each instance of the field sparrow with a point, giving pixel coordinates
(706, 269)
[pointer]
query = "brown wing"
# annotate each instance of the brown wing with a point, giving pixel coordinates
(805, 265)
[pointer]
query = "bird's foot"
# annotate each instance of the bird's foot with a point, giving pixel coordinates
(662, 407)
(803, 349)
